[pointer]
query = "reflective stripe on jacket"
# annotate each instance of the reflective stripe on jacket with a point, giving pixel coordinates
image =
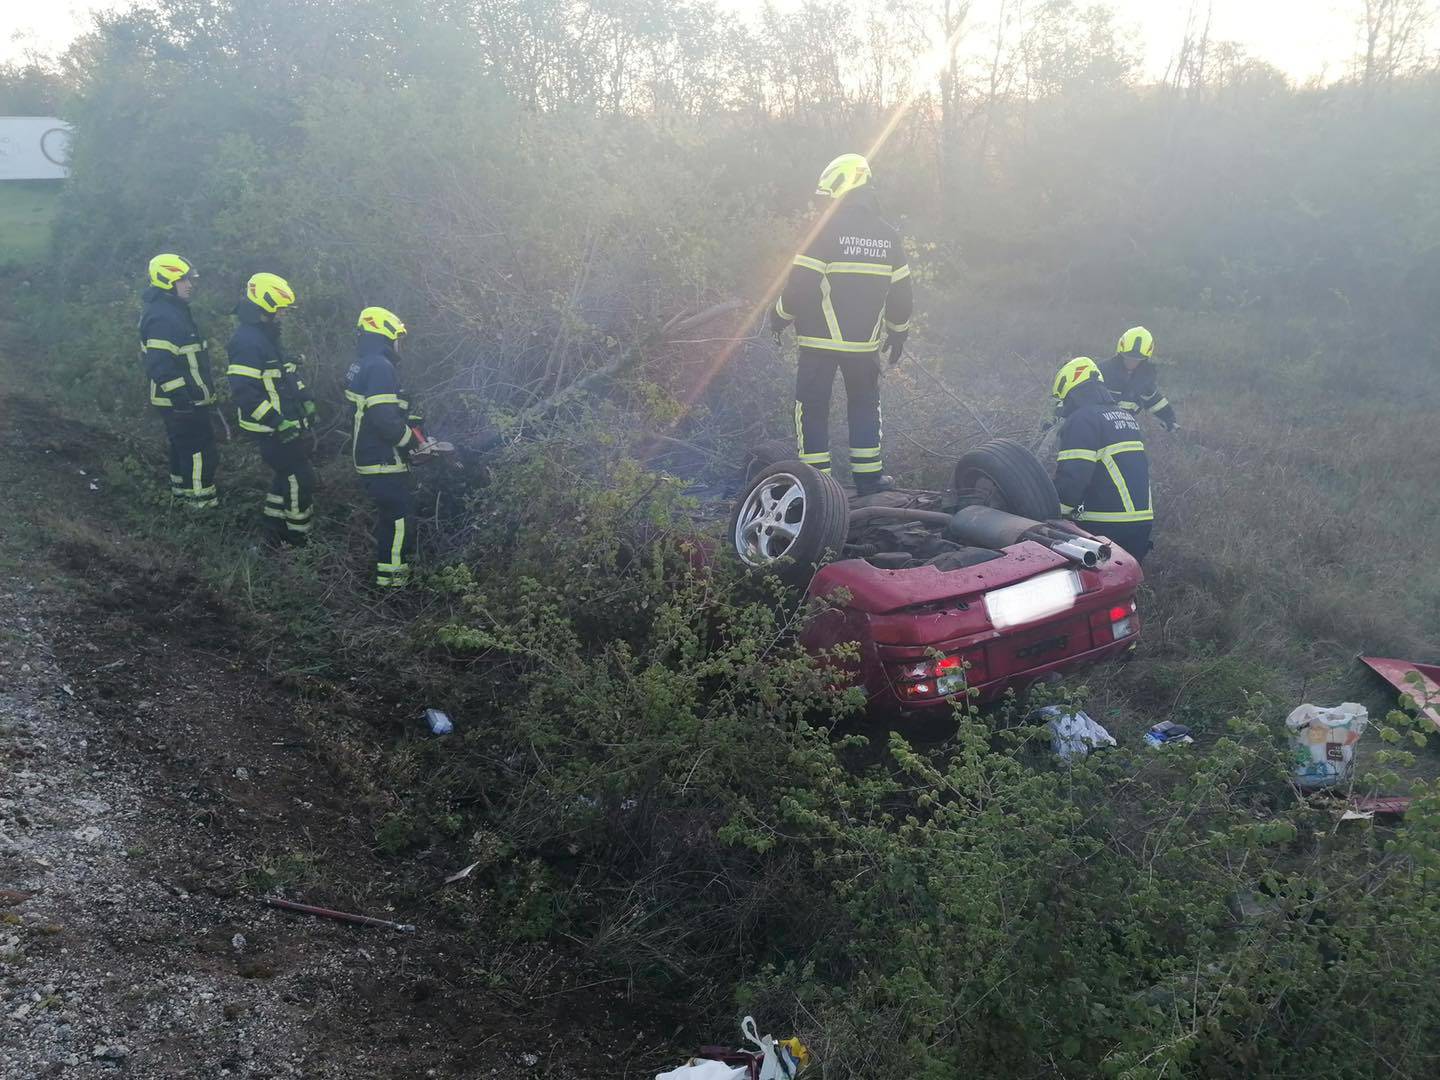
(381, 416)
(175, 355)
(1102, 473)
(852, 280)
(265, 386)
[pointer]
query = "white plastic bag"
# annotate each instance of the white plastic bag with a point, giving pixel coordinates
(1073, 734)
(705, 1070)
(1322, 741)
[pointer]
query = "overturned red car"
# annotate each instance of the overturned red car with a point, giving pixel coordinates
(982, 587)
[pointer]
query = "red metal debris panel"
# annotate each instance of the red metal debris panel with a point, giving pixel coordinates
(1395, 672)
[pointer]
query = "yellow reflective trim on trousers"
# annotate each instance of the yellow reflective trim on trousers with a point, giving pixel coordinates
(821, 458)
(900, 273)
(293, 507)
(162, 345)
(835, 345)
(1077, 455)
(371, 470)
(780, 308)
(1129, 406)
(258, 429)
(382, 399)
(261, 409)
(197, 466)
(864, 452)
(1159, 405)
(897, 328)
(865, 466)
(810, 264)
(172, 384)
(397, 543)
(800, 430)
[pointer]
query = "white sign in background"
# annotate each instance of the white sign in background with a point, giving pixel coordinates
(33, 147)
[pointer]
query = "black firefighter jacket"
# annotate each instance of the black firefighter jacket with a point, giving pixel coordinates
(851, 280)
(1138, 389)
(382, 416)
(175, 355)
(1102, 470)
(265, 385)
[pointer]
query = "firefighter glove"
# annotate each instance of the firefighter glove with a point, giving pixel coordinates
(288, 430)
(894, 347)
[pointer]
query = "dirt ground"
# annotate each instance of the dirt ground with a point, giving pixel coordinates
(154, 782)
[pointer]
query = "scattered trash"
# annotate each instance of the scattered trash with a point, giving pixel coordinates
(461, 875)
(706, 1070)
(242, 773)
(68, 689)
(1167, 732)
(772, 1060)
(1421, 682)
(1323, 742)
(439, 723)
(238, 942)
(1072, 733)
(343, 916)
(1381, 805)
(94, 486)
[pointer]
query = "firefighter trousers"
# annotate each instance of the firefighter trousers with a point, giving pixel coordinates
(394, 528)
(814, 379)
(193, 457)
(289, 504)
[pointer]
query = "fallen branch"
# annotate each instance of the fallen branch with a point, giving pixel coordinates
(342, 916)
(679, 324)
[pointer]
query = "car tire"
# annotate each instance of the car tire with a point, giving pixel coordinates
(1007, 476)
(766, 454)
(790, 520)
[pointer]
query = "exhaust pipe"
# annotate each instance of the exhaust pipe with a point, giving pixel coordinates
(1102, 551)
(1075, 553)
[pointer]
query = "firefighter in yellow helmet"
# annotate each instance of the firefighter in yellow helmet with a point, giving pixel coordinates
(1102, 473)
(178, 365)
(851, 282)
(384, 430)
(273, 405)
(1131, 378)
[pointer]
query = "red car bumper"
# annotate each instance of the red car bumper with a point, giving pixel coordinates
(899, 619)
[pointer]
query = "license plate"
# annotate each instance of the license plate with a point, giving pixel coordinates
(1029, 601)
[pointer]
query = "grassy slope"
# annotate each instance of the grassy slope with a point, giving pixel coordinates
(1294, 506)
(27, 208)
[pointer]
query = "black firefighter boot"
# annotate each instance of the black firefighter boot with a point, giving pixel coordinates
(873, 483)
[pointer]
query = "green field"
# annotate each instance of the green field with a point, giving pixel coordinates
(27, 208)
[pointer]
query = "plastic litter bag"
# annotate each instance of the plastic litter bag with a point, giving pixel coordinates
(1073, 734)
(1322, 741)
(705, 1070)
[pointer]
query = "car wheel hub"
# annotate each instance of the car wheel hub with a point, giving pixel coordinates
(770, 520)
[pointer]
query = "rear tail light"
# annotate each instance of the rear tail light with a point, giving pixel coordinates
(1118, 621)
(927, 680)
(1122, 619)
